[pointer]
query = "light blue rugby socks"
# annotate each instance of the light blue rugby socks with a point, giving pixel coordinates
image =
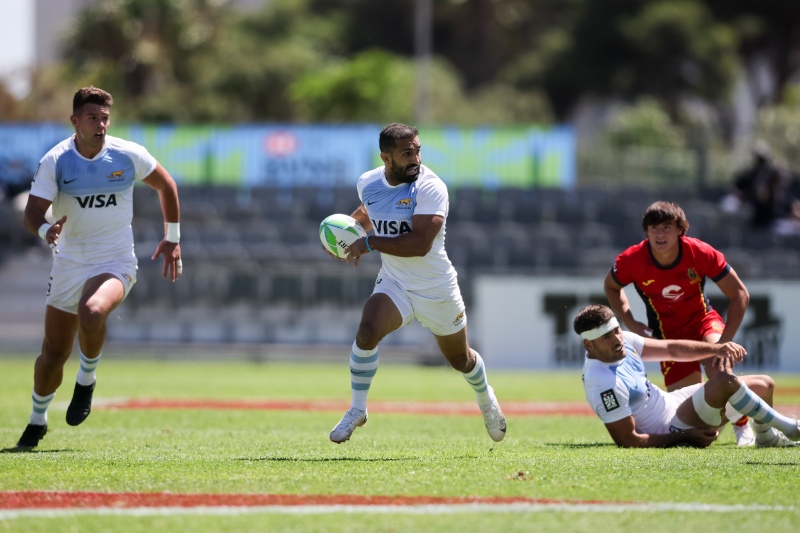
(86, 374)
(477, 380)
(749, 403)
(363, 367)
(40, 405)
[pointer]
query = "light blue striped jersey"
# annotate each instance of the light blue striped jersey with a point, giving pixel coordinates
(390, 209)
(620, 389)
(96, 195)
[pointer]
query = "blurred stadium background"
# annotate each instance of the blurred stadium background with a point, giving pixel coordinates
(543, 197)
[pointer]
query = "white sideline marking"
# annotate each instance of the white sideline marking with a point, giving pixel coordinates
(10, 514)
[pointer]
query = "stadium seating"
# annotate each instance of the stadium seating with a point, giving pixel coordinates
(253, 262)
(745, 262)
(243, 232)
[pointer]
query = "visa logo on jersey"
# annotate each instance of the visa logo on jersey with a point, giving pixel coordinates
(97, 200)
(391, 227)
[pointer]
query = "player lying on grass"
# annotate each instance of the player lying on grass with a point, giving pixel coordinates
(638, 414)
(669, 270)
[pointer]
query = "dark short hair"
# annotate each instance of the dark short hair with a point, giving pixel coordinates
(591, 316)
(394, 132)
(661, 212)
(90, 95)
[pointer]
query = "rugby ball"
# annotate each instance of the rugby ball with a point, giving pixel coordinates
(338, 232)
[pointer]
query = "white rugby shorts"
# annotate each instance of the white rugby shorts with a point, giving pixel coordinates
(440, 309)
(668, 421)
(67, 279)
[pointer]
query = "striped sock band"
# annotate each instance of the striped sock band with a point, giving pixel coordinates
(764, 433)
(40, 405)
(86, 375)
(363, 367)
(477, 380)
(733, 415)
(748, 403)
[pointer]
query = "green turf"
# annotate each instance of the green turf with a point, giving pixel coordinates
(288, 452)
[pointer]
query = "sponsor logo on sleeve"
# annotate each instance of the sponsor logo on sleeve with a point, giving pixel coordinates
(609, 400)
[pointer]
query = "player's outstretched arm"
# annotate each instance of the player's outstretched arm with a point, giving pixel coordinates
(161, 181)
(732, 287)
(622, 307)
(686, 350)
(625, 436)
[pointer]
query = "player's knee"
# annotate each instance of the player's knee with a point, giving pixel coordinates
(91, 317)
(367, 336)
(461, 362)
(723, 378)
(769, 383)
(725, 382)
(762, 385)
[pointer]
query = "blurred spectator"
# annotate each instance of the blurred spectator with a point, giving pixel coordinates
(764, 192)
(15, 177)
(15, 181)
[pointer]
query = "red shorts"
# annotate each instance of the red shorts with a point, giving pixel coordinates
(674, 371)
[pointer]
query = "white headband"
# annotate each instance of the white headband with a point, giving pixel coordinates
(600, 330)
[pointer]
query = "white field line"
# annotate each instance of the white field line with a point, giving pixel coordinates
(434, 509)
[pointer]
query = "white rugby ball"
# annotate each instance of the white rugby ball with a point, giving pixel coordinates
(338, 232)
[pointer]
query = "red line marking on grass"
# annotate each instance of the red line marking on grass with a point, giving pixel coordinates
(21, 504)
(117, 500)
(420, 408)
(417, 408)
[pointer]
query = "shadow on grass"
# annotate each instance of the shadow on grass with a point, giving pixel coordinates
(33, 450)
(337, 459)
(770, 463)
(584, 445)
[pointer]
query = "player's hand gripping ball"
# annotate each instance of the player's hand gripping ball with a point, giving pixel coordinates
(338, 232)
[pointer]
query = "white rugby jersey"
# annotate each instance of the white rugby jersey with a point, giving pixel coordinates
(620, 389)
(390, 209)
(96, 195)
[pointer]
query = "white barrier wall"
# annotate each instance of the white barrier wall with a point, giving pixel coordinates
(526, 322)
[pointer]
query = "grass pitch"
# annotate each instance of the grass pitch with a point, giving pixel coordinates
(569, 460)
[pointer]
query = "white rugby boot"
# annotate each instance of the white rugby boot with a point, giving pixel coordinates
(795, 435)
(352, 419)
(745, 436)
(779, 440)
(494, 420)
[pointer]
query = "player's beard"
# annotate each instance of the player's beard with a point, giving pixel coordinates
(400, 173)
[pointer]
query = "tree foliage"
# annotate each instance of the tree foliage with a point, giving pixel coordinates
(644, 124)
(779, 126)
(495, 61)
(140, 48)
